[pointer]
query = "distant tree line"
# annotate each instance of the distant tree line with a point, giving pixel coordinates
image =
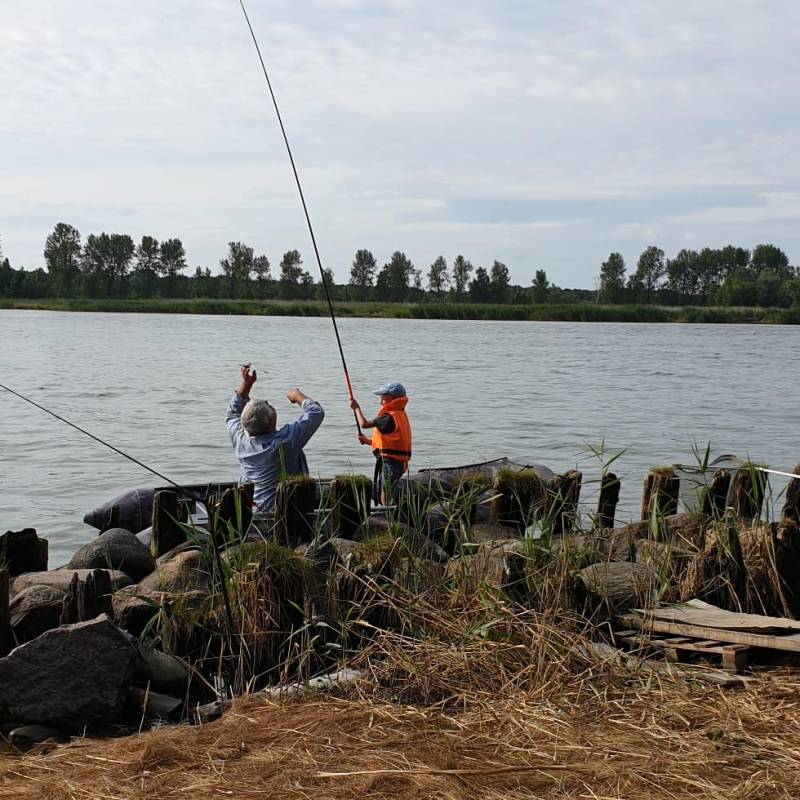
(113, 265)
(730, 276)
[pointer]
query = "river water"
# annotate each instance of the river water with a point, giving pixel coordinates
(157, 387)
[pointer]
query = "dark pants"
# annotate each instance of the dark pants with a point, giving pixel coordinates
(386, 480)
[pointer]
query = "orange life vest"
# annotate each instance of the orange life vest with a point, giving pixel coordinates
(397, 444)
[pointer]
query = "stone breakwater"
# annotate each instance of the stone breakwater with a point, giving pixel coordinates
(168, 623)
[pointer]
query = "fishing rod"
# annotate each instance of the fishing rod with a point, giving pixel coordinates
(305, 210)
(92, 436)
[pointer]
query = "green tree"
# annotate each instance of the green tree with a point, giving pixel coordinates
(395, 277)
(147, 265)
(541, 287)
(772, 287)
(650, 272)
(612, 279)
(462, 269)
(767, 256)
(730, 259)
(480, 287)
(173, 259)
(292, 273)
(330, 281)
(499, 281)
(438, 276)
(362, 273)
(236, 267)
(682, 273)
(105, 261)
(62, 254)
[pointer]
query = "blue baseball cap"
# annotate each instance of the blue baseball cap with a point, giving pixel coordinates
(394, 389)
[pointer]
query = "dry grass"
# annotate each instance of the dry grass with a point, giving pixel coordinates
(600, 739)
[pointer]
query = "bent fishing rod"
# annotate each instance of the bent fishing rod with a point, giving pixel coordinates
(305, 210)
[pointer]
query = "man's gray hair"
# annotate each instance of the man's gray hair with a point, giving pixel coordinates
(259, 417)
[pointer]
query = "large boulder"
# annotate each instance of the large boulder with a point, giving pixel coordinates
(184, 571)
(35, 610)
(72, 677)
(115, 549)
(61, 578)
(615, 585)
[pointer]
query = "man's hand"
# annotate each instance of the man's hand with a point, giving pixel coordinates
(248, 379)
(296, 396)
(354, 404)
(364, 439)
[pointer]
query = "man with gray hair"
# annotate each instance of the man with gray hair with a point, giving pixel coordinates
(265, 452)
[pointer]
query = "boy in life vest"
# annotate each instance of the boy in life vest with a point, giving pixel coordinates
(391, 440)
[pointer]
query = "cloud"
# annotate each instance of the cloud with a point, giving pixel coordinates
(538, 134)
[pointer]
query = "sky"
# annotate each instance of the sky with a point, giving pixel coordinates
(542, 134)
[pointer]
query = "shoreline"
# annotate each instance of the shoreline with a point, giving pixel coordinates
(578, 312)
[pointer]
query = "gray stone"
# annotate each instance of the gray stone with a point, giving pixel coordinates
(72, 677)
(35, 610)
(115, 549)
(154, 705)
(61, 579)
(183, 572)
(26, 736)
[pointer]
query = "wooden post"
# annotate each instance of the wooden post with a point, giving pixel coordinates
(168, 514)
(747, 492)
(563, 493)
(69, 605)
(661, 489)
(295, 504)
(5, 616)
(351, 503)
(86, 599)
(715, 495)
(519, 496)
(22, 551)
(607, 502)
(233, 512)
(791, 504)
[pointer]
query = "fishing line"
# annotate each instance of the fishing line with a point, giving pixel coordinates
(91, 436)
(305, 209)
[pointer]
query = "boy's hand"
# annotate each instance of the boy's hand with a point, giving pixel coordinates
(363, 439)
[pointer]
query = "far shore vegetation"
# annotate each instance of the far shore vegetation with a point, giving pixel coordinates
(111, 272)
(550, 312)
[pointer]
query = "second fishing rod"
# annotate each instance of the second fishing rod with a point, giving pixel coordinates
(305, 210)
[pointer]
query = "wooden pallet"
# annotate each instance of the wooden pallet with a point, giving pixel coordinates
(734, 656)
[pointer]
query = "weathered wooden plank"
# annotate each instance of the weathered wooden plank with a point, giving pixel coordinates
(698, 612)
(789, 643)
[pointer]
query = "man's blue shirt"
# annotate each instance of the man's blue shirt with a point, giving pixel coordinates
(266, 458)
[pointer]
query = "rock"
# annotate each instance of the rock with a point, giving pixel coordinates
(35, 610)
(345, 549)
(164, 672)
(117, 549)
(61, 578)
(26, 736)
(183, 572)
(499, 564)
(490, 532)
(134, 607)
(145, 536)
(72, 677)
(619, 584)
(153, 704)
